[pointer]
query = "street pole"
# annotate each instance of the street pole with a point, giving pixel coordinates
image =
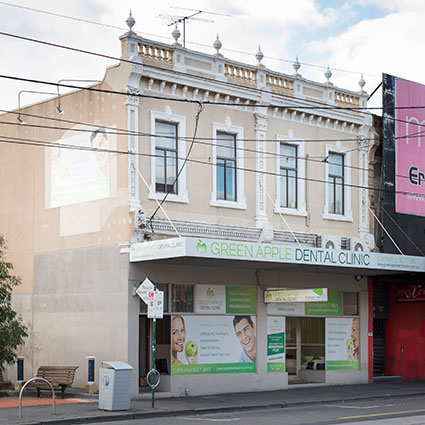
(153, 359)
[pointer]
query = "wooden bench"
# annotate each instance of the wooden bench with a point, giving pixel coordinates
(59, 376)
(4, 384)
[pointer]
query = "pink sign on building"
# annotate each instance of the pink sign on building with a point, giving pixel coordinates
(410, 147)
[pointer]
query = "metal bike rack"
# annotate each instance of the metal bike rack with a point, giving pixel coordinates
(22, 391)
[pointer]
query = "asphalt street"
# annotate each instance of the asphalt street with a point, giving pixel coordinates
(394, 411)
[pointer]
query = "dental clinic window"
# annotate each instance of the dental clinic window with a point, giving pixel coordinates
(226, 166)
(288, 176)
(166, 157)
(350, 303)
(182, 298)
(335, 183)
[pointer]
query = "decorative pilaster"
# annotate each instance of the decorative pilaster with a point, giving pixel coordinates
(364, 230)
(261, 132)
(133, 101)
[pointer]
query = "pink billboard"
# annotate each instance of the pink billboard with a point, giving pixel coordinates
(410, 147)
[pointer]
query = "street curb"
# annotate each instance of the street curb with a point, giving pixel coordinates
(129, 416)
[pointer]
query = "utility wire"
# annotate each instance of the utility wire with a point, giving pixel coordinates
(403, 232)
(197, 161)
(114, 130)
(203, 78)
(187, 42)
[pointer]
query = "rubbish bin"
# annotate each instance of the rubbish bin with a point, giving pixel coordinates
(115, 385)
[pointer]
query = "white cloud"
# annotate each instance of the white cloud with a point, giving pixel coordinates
(391, 44)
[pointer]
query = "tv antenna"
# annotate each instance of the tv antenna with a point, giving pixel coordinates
(177, 19)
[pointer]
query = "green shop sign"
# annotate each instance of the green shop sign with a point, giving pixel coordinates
(263, 252)
(331, 307)
(241, 300)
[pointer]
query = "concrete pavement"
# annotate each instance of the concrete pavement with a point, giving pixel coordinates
(297, 395)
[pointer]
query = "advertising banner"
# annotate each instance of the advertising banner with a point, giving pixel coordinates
(213, 344)
(410, 146)
(75, 172)
(342, 344)
(275, 344)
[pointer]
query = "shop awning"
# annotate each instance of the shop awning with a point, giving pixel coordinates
(188, 250)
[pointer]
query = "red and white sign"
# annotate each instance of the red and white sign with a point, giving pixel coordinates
(410, 293)
(145, 290)
(156, 305)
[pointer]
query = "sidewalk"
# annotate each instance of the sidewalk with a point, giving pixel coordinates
(86, 410)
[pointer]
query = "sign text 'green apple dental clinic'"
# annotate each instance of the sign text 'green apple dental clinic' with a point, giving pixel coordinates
(263, 252)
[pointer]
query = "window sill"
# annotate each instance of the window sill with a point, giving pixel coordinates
(338, 217)
(290, 211)
(183, 199)
(227, 204)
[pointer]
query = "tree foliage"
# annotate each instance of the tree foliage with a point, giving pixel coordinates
(12, 330)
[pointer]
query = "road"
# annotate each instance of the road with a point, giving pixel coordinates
(396, 411)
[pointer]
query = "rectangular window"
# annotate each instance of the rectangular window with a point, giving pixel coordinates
(182, 298)
(226, 166)
(336, 183)
(350, 304)
(165, 157)
(288, 176)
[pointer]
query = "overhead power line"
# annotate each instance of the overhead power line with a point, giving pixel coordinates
(87, 21)
(203, 78)
(32, 142)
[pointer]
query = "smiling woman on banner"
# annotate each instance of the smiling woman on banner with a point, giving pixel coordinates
(178, 338)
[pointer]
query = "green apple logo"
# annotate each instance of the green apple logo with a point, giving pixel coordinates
(210, 293)
(201, 247)
(269, 296)
(191, 348)
(350, 344)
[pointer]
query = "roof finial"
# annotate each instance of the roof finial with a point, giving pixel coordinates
(259, 56)
(362, 83)
(217, 46)
(176, 34)
(328, 75)
(296, 65)
(130, 22)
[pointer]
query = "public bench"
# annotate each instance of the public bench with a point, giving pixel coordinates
(59, 376)
(4, 384)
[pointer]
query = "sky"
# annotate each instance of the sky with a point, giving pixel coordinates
(351, 37)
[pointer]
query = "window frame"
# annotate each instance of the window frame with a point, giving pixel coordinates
(286, 176)
(165, 157)
(347, 212)
(179, 121)
(238, 133)
(301, 208)
(225, 167)
(334, 180)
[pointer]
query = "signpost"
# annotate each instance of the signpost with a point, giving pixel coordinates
(154, 299)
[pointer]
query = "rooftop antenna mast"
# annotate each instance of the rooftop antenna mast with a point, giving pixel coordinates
(174, 19)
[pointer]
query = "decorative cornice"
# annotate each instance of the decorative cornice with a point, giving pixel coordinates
(220, 231)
